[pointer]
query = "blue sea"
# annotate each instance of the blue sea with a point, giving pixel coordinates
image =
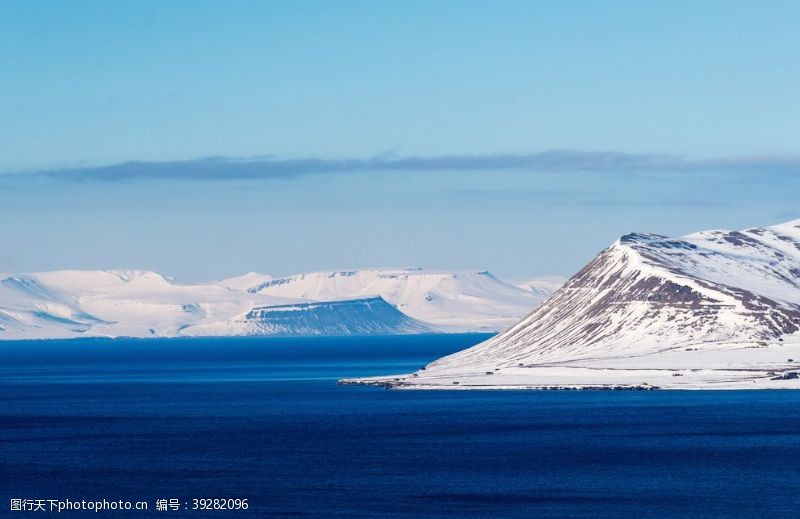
(264, 420)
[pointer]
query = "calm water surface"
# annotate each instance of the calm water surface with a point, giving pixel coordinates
(263, 419)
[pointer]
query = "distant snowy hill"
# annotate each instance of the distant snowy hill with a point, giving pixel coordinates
(469, 301)
(245, 281)
(347, 317)
(138, 303)
(711, 309)
(543, 287)
(132, 303)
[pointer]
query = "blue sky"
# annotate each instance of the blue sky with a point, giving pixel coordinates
(693, 105)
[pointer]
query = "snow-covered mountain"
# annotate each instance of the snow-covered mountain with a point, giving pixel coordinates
(344, 317)
(711, 309)
(137, 303)
(133, 303)
(469, 301)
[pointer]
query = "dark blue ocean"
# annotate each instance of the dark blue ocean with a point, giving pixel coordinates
(263, 419)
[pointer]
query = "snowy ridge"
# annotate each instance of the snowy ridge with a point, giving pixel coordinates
(140, 303)
(245, 281)
(462, 301)
(543, 287)
(132, 303)
(724, 305)
(347, 317)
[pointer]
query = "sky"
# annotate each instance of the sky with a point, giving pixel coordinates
(207, 139)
